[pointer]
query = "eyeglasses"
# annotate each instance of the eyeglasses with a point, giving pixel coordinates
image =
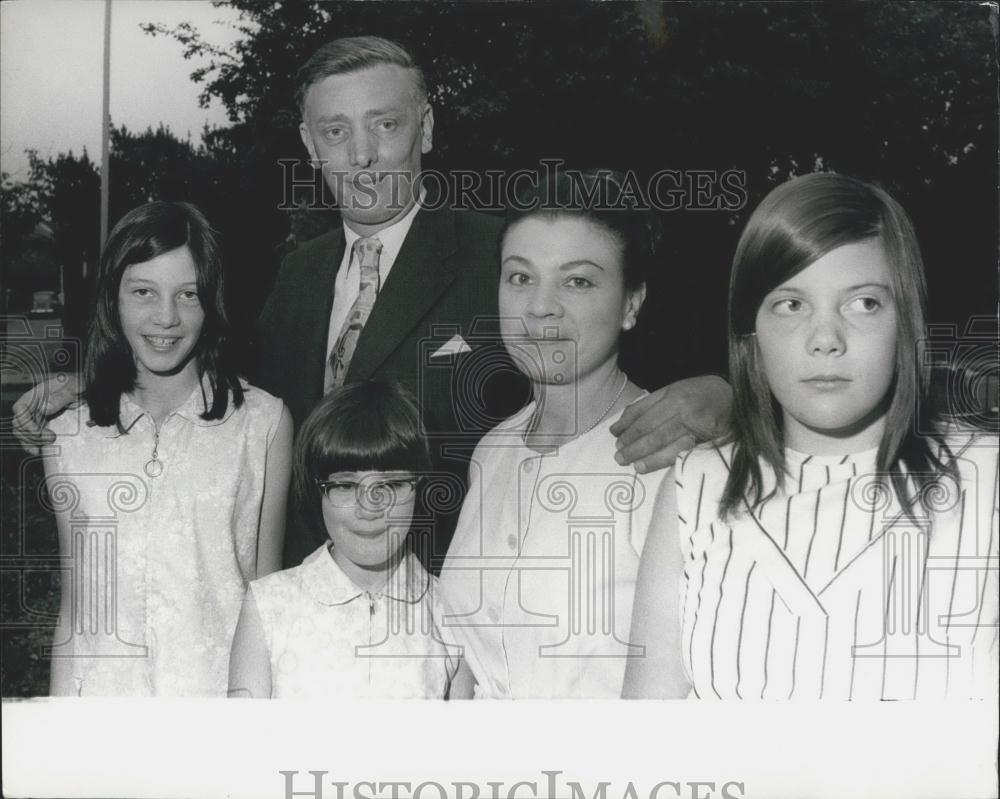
(368, 492)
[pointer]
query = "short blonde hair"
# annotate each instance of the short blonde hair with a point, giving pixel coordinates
(353, 54)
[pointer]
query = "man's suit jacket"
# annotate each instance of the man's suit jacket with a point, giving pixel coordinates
(443, 284)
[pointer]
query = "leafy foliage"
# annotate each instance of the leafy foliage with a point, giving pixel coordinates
(900, 93)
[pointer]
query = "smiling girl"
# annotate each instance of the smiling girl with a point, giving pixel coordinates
(169, 482)
(841, 544)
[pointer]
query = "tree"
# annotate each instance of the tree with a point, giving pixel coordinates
(901, 93)
(20, 211)
(64, 191)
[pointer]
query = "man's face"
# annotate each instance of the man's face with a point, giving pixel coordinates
(368, 130)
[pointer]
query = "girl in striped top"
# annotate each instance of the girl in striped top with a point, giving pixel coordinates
(838, 544)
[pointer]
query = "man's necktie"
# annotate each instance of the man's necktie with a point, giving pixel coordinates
(366, 251)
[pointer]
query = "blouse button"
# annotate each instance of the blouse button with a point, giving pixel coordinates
(494, 615)
(528, 466)
(512, 541)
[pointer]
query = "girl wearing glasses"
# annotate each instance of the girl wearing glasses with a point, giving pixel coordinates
(357, 617)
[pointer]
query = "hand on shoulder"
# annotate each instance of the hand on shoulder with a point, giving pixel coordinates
(654, 430)
(44, 401)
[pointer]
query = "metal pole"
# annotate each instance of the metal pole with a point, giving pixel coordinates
(106, 125)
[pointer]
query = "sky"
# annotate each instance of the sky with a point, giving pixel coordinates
(51, 61)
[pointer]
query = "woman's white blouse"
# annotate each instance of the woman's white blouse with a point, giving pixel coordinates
(159, 565)
(328, 639)
(540, 576)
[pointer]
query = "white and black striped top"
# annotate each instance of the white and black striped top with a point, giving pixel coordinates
(828, 591)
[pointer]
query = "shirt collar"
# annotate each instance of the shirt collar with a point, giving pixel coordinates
(391, 237)
(864, 457)
(326, 582)
(199, 400)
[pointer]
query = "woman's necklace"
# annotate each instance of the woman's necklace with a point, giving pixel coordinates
(611, 405)
(533, 424)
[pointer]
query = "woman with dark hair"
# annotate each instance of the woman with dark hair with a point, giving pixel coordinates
(837, 544)
(184, 466)
(539, 577)
(358, 618)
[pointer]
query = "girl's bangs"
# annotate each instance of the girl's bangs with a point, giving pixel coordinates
(367, 445)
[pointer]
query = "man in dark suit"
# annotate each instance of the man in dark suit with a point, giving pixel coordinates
(440, 304)
(366, 123)
(432, 328)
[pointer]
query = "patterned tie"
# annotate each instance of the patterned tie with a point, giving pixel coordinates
(366, 250)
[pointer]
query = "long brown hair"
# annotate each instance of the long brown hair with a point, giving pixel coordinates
(143, 234)
(797, 224)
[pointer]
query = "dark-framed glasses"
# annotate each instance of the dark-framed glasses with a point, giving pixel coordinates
(370, 492)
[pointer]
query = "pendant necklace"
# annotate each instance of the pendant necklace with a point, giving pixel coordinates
(154, 466)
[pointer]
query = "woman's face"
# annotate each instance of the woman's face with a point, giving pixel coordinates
(563, 302)
(827, 343)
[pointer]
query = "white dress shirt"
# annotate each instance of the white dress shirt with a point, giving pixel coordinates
(347, 285)
(539, 578)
